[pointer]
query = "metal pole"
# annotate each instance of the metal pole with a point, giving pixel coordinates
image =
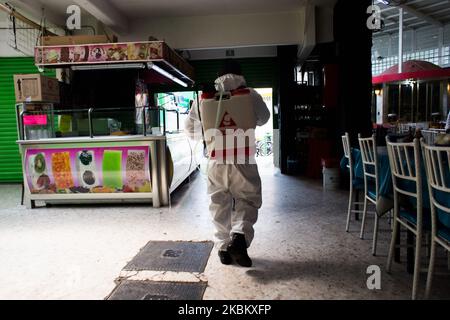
(413, 114)
(417, 97)
(20, 124)
(91, 132)
(399, 101)
(164, 122)
(427, 104)
(144, 123)
(400, 56)
(23, 127)
(400, 40)
(441, 46)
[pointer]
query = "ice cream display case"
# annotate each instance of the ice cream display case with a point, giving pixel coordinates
(84, 168)
(95, 153)
(106, 167)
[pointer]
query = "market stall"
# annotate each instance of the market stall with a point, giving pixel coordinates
(94, 154)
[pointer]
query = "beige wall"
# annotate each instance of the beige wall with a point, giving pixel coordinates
(221, 31)
(5, 49)
(203, 32)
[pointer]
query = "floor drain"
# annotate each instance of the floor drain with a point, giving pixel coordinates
(177, 256)
(158, 290)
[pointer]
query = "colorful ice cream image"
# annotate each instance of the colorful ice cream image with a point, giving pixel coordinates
(39, 163)
(78, 54)
(86, 169)
(62, 171)
(37, 172)
(137, 51)
(155, 50)
(135, 169)
(116, 53)
(52, 56)
(112, 169)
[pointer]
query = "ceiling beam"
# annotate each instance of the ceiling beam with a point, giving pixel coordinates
(103, 11)
(396, 22)
(438, 12)
(420, 15)
(414, 25)
(404, 19)
(437, 4)
(410, 27)
(393, 6)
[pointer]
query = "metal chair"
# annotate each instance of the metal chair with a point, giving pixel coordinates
(404, 160)
(370, 166)
(437, 163)
(430, 135)
(354, 189)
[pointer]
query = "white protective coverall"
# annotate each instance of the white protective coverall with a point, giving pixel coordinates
(226, 182)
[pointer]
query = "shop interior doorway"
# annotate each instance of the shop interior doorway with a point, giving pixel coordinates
(177, 105)
(265, 142)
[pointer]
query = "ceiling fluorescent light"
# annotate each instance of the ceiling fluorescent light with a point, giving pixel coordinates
(166, 74)
(109, 66)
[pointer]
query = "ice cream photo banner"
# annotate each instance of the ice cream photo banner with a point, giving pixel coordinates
(88, 170)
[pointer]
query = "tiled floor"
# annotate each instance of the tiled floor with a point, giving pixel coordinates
(300, 251)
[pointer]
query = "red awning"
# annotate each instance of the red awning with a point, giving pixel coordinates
(412, 69)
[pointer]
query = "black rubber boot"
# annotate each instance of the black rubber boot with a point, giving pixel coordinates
(225, 257)
(238, 250)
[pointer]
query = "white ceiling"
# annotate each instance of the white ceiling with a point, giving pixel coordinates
(121, 16)
(171, 8)
(176, 8)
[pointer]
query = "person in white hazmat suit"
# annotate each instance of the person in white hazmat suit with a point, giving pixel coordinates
(233, 107)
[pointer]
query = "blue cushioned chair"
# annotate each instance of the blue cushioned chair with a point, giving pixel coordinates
(437, 163)
(405, 163)
(370, 167)
(355, 184)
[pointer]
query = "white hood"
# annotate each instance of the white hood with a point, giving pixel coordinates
(229, 82)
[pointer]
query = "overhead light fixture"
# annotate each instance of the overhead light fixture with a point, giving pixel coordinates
(410, 82)
(150, 65)
(109, 66)
(163, 72)
(386, 2)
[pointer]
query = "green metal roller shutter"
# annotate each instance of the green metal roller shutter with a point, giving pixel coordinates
(10, 163)
(258, 72)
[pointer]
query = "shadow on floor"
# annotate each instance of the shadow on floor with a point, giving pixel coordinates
(181, 191)
(267, 271)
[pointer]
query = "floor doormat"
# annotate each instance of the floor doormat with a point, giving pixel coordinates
(154, 290)
(178, 256)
